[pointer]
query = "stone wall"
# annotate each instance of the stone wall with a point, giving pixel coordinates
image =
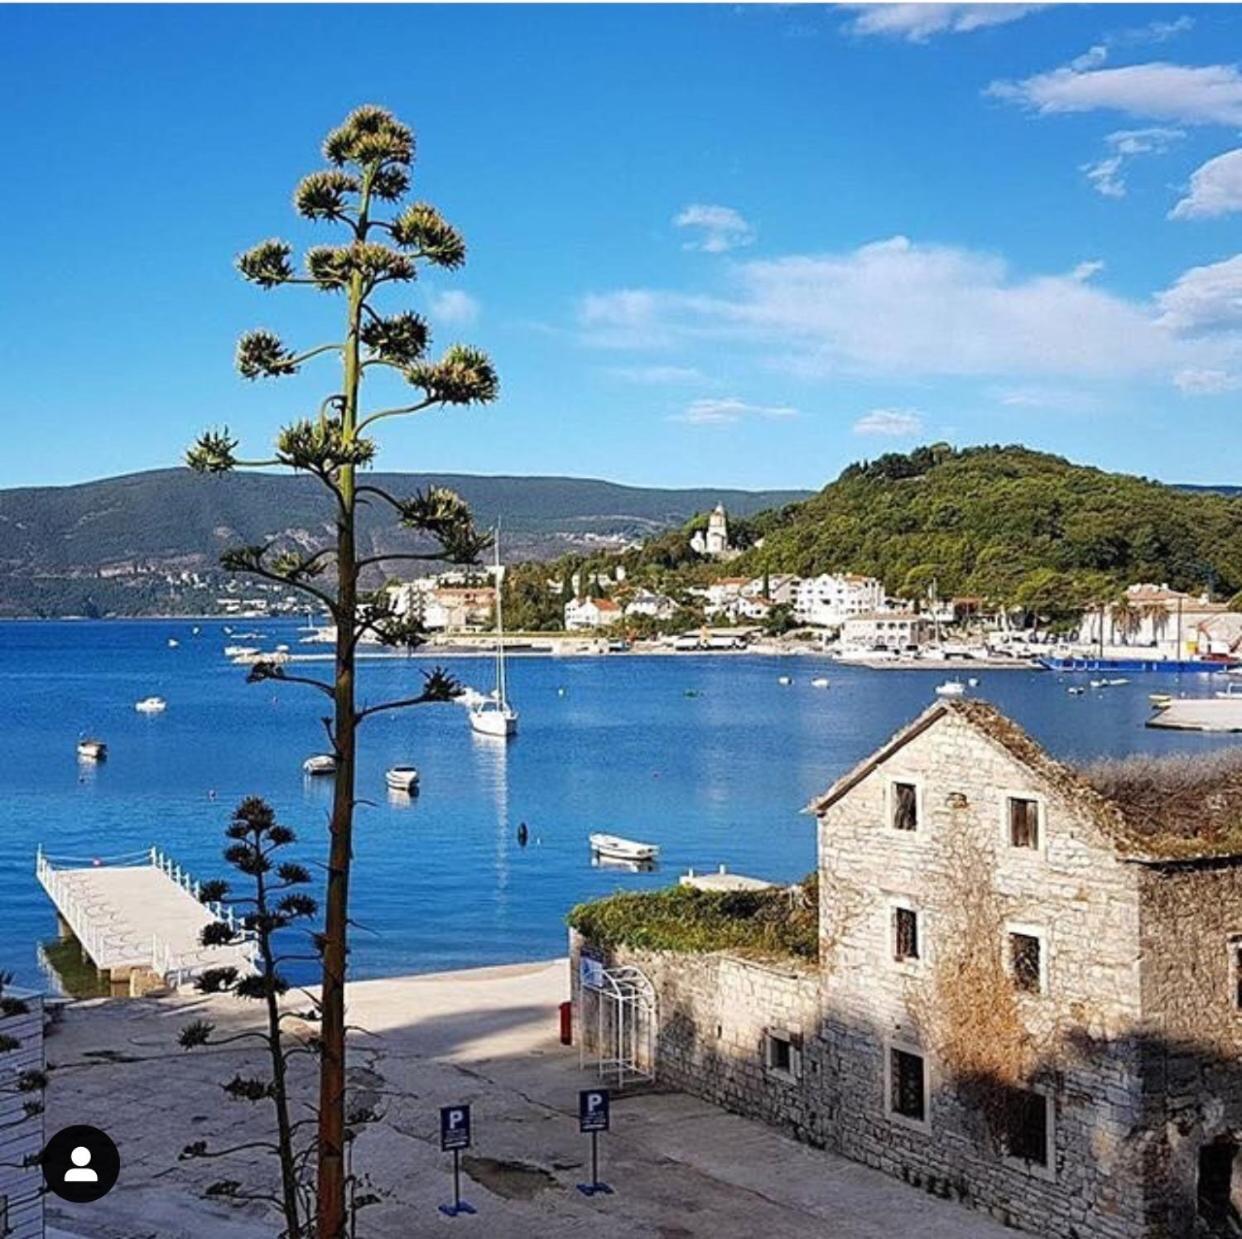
(21, 1136)
(1071, 891)
(713, 1015)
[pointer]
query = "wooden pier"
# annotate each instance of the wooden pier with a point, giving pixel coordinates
(138, 917)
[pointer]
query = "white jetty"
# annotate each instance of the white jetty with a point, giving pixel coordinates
(138, 917)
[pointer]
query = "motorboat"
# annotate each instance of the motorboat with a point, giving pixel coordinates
(319, 764)
(950, 688)
(1163, 700)
(173, 643)
(494, 716)
(402, 779)
(614, 847)
(92, 750)
(820, 681)
(786, 680)
(1076, 691)
(151, 705)
(239, 651)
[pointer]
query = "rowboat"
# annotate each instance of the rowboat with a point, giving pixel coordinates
(617, 848)
(151, 705)
(319, 764)
(92, 750)
(820, 681)
(950, 688)
(402, 779)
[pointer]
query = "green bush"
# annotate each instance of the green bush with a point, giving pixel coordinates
(781, 922)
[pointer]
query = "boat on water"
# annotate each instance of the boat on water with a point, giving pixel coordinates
(494, 716)
(1179, 665)
(614, 847)
(92, 750)
(950, 688)
(1076, 691)
(1232, 691)
(173, 643)
(820, 681)
(237, 651)
(319, 764)
(402, 779)
(1161, 700)
(151, 705)
(784, 679)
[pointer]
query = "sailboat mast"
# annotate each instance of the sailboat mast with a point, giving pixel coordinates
(500, 627)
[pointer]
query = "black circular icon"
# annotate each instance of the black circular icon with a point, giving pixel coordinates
(80, 1164)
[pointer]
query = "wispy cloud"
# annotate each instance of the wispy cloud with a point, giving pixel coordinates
(1207, 298)
(454, 306)
(726, 411)
(1206, 382)
(1184, 94)
(890, 423)
(720, 228)
(916, 23)
(1107, 175)
(1215, 189)
(659, 376)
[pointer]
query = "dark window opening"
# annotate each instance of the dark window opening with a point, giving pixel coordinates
(905, 934)
(906, 1083)
(1216, 1204)
(1024, 962)
(780, 1053)
(905, 806)
(1026, 1127)
(1236, 947)
(1023, 823)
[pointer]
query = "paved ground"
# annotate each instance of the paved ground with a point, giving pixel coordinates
(681, 1168)
(1201, 713)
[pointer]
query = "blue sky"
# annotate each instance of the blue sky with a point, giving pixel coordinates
(709, 244)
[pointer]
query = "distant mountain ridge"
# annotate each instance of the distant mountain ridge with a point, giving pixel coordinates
(108, 546)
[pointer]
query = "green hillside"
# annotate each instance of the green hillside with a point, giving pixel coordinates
(1007, 523)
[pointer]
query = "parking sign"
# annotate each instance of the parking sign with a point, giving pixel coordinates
(454, 1128)
(593, 1110)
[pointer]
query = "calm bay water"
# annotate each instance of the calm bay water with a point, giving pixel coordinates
(611, 743)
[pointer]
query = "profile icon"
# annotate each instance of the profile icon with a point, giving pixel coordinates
(80, 1164)
(80, 1171)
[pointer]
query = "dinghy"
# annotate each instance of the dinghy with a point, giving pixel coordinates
(615, 847)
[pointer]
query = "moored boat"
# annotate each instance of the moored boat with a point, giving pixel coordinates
(786, 680)
(950, 688)
(820, 681)
(151, 705)
(92, 750)
(402, 779)
(319, 764)
(493, 715)
(617, 848)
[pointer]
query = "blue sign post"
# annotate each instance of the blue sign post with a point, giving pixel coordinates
(455, 1136)
(593, 1117)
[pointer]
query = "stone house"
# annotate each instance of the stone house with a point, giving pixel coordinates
(1029, 988)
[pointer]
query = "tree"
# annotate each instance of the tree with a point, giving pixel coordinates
(369, 156)
(278, 903)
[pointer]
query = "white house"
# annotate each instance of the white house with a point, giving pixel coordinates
(888, 630)
(591, 613)
(648, 603)
(828, 600)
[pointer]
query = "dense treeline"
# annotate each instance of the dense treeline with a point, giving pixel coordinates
(1007, 523)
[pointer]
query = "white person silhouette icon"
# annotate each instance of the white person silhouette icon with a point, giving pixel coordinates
(80, 1171)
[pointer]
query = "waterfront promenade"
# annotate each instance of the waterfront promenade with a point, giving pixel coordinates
(681, 1168)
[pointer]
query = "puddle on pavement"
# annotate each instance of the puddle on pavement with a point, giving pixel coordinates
(510, 1180)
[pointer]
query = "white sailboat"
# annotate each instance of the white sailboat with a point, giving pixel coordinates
(494, 716)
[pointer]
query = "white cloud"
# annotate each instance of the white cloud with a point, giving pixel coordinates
(1215, 188)
(657, 376)
(1206, 382)
(1054, 399)
(729, 410)
(1086, 270)
(1204, 298)
(918, 22)
(890, 423)
(919, 310)
(1107, 175)
(722, 228)
(454, 306)
(1186, 94)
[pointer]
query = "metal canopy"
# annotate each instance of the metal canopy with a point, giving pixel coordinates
(618, 1006)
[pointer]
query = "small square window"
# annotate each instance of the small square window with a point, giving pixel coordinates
(905, 806)
(1025, 962)
(905, 934)
(1026, 1126)
(781, 1053)
(1023, 823)
(1235, 961)
(907, 1095)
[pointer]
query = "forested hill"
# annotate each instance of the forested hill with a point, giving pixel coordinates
(110, 546)
(1007, 523)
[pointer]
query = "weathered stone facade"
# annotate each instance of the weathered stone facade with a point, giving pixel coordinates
(21, 1130)
(1122, 972)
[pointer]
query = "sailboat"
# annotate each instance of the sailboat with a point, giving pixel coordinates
(494, 716)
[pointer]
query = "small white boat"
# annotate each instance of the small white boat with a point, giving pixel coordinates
(493, 715)
(1099, 683)
(173, 643)
(282, 649)
(1163, 700)
(820, 681)
(1077, 691)
(617, 848)
(92, 750)
(950, 688)
(194, 630)
(784, 679)
(320, 764)
(402, 779)
(1230, 690)
(151, 705)
(973, 682)
(1117, 680)
(237, 651)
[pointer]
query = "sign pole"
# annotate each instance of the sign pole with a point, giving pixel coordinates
(593, 1117)
(455, 1136)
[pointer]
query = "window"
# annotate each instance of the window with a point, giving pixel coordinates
(1235, 970)
(1023, 823)
(1027, 1127)
(905, 934)
(782, 1053)
(905, 806)
(1026, 962)
(907, 1086)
